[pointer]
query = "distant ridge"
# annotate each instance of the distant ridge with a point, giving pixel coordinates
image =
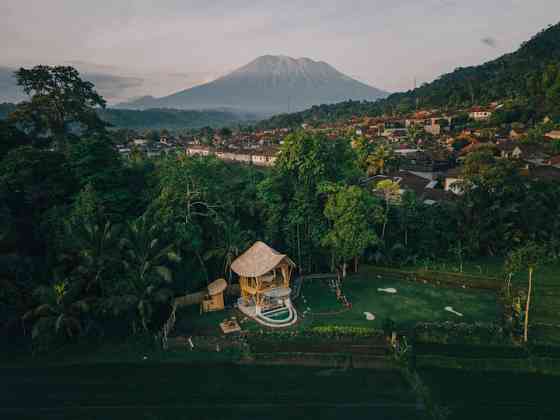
(267, 85)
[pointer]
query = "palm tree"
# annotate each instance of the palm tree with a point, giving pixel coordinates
(57, 313)
(379, 160)
(233, 241)
(146, 255)
(391, 192)
(97, 246)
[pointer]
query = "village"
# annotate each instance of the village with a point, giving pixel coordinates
(422, 151)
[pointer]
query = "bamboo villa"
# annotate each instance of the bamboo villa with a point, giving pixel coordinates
(264, 279)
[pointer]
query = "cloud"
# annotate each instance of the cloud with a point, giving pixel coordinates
(489, 41)
(384, 42)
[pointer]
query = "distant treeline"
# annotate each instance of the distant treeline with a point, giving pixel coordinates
(172, 118)
(161, 118)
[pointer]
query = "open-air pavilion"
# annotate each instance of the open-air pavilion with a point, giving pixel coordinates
(264, 280)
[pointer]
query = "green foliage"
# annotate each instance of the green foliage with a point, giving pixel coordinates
(349, 210)
(528, 256)
(60, 99)
(147, 253)
(86, 157)
(460, 333)
(381, 161)
(32, 182)
(58, 313)
(293, 208)
(171, 119)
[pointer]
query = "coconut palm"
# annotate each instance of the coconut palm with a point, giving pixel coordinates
(233, 241)
(97, 246)
(380, 160)
(147, 254)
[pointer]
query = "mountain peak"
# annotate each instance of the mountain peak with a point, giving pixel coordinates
(270, 84)
(283, 65)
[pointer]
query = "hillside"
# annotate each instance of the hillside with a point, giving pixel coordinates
(268, 85)
(172, 118)
(532, 72)
(161, 118)
(529, 76)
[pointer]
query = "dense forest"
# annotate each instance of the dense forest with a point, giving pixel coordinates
(91, 243)
(528, 78)
(157, 119)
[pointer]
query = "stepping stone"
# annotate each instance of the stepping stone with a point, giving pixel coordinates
(453, 311)
(369, 316)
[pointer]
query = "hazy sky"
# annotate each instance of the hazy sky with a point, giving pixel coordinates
(166, 45)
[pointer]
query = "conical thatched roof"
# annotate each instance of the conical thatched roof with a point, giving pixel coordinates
(216, 287)
(258, 260)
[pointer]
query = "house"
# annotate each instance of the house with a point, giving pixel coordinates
(424, 190)
(452, 180)
(423, 162)
(480, 114)
(528, 152)
(264, 280)
(517, 133)
(261, 157)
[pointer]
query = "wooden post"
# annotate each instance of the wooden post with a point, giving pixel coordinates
(527, 305)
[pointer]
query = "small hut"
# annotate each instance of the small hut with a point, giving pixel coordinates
(264, 280)
(214, 299)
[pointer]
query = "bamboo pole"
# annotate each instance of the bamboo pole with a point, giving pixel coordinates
(527, 305)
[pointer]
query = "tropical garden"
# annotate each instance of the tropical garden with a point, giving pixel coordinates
(93, 244)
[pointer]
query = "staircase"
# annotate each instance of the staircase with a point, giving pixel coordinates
(335, 285)
(167, 328)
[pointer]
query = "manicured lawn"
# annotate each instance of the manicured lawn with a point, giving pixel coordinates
(187, 391)
(413, 302)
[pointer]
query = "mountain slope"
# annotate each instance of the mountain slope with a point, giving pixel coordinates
(532, 72)
(269, 84)
(529, 76)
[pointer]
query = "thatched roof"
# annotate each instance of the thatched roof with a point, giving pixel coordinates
(258, 260)
(216, 287)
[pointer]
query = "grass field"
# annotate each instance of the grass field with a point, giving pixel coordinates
(545, 309)
(187, 391)
(413, 302)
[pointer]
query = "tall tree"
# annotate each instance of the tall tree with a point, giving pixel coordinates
(391, 193)
(381, 160)
(349, 210)
(60, 101)
(292, 208)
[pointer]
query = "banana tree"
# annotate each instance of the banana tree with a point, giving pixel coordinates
(58, 312)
